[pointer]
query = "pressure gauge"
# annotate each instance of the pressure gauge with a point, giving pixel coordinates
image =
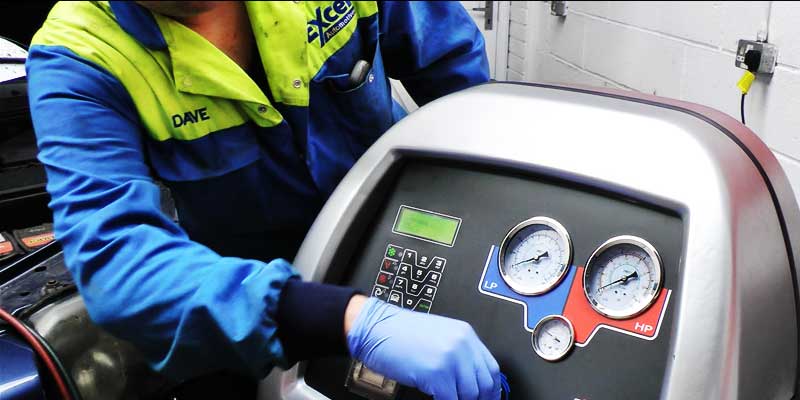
(535, 256)
(553, 337)
(623, 277)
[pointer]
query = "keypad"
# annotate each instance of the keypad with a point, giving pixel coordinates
(408, 279)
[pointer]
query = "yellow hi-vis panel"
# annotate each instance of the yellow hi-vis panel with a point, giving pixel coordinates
(193, 79)
(89, 30)
(296, 38)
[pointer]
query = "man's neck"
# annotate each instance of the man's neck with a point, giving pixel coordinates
(227, 26)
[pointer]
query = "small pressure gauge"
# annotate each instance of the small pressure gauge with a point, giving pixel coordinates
(553, 337)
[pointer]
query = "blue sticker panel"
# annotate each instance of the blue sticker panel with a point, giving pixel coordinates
(535, 307)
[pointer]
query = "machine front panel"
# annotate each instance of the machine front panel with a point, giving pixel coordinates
(444, 260)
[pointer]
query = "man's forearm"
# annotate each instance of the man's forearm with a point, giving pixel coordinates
(313, 319)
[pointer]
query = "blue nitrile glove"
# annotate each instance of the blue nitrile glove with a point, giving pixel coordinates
(440, 356)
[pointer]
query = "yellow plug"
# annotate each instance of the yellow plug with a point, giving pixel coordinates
(746, 81)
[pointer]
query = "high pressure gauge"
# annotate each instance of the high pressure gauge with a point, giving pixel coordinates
(623, 277)
(535, 256)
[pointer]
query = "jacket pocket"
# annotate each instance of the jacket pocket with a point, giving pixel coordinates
(358, 115)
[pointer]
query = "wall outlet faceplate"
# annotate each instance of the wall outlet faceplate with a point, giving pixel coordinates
(558, 8)
(769, 55)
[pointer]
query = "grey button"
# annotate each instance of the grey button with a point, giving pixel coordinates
(297, 83)
(262, 108)
(371, 78)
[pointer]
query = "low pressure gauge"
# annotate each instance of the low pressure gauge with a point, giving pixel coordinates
(553, 337)
(535, 256)
(623, 277)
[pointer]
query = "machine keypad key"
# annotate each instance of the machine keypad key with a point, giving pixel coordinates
(409, 304)
(428, 292)
(404, 271)
(380, 292)
(419, 274)
(389, 266)
(393, 251)
(384, 279)
(410, 257)
(414, 289)
(423, 306)
(400, 284)
(437, 264)
(395, 298)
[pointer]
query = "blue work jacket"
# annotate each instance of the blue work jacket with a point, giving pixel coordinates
(122, 98)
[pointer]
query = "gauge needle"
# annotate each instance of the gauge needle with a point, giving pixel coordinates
(536, 259)
(553, 336)
(620, 280)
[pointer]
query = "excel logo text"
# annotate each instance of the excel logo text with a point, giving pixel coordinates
(328, 21)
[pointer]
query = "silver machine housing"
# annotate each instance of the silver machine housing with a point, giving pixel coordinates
(735, 331)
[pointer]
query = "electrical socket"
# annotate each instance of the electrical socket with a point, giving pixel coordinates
(769, 55)
(558, 8)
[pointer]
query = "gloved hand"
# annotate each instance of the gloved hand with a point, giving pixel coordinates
(440, 356)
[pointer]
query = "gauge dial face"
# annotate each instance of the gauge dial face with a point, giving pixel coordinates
(535, 256)
(623, 277)
(553, 337)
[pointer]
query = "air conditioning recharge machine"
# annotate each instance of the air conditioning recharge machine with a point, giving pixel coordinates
(603, 244)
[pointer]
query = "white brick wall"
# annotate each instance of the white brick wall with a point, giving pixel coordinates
(682, 50)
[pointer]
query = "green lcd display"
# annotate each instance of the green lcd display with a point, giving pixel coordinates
(427, 225)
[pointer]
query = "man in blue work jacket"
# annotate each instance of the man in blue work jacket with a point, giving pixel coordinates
(246, 111)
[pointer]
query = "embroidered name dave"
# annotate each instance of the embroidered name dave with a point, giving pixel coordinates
(190, 117)
(328, 21)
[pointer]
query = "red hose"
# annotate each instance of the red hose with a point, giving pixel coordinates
(40, 351)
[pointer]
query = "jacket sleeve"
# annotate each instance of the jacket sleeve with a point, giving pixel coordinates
(189, 310)
(434, 48)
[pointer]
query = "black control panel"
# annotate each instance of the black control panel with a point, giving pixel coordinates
(404, 270)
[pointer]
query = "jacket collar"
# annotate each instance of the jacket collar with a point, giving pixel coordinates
(198, 67)
(138, 22)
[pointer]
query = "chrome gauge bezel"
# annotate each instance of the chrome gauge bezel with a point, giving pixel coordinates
(537, 330)
(563, 236)
(649, 249)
